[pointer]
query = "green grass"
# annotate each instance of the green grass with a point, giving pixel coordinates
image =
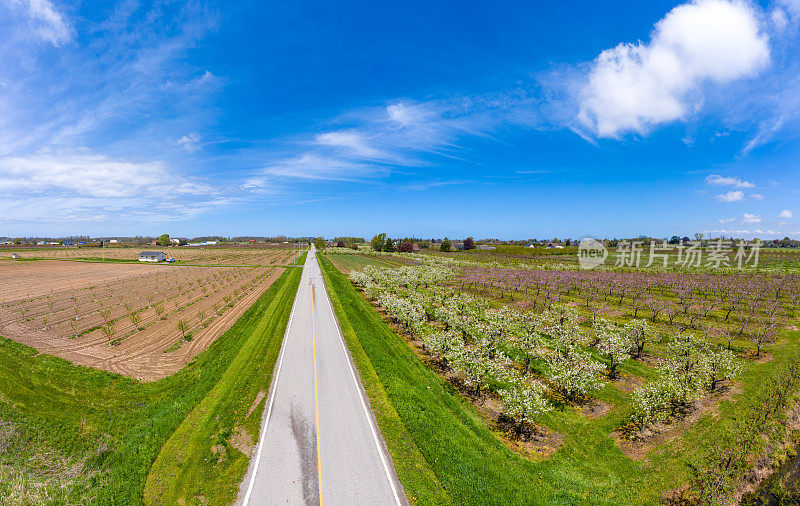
(355, 262)
(108, 429)
(430, 427)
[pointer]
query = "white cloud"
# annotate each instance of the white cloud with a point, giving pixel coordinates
(633, 87)
(751, 218)
(727, 220)
(732, 196)
(786, 214)
(756, 196)
(728, 181)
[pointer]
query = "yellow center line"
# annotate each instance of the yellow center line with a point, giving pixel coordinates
(316, 394)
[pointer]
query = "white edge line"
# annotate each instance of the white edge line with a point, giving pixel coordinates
(273, 388)
(361, 395)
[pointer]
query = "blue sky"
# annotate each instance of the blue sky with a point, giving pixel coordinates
(509, 119)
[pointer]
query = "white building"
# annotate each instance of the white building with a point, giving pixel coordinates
(152, 256)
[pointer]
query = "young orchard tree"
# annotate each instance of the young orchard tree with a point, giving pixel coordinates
(183, 326)
(108, 331)
(136, 318)
(638, 333)
(681, 368)
(476, 366)
(725, 333)
(575, 373)
(719, 365)
(651, 403)
(615, 347)
(441, 345)
(524, 401)
(529, 343)
(201, 317)
(763, 333)
(105, 314)
(74, 327)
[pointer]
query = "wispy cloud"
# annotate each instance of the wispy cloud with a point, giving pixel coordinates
(86, 174)
(43, 20)
(751, 218)
(377, 141)
(786, 214)
(190, 142)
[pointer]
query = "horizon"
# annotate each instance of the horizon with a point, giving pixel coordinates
(510, 121)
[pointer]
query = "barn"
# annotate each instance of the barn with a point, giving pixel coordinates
(152, 256)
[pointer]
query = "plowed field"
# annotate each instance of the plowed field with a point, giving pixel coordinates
(125, 317)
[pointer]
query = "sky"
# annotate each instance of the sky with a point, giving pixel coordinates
(507, 120)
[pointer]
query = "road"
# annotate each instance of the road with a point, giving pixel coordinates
(319, 441)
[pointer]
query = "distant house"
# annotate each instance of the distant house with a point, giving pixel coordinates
(484, 247)
(152, 256)
(113, 241)
(14, 256)
(531, 245)
(415, 248)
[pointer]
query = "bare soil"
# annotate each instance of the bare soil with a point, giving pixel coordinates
(59, 308)
(594, 409)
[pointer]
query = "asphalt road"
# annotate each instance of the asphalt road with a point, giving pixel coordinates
(319, 441)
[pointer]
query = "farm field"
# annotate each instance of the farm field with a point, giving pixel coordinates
(143, 321)
(350, 262)
(781, 259)
(189, 255)
(613, 385)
